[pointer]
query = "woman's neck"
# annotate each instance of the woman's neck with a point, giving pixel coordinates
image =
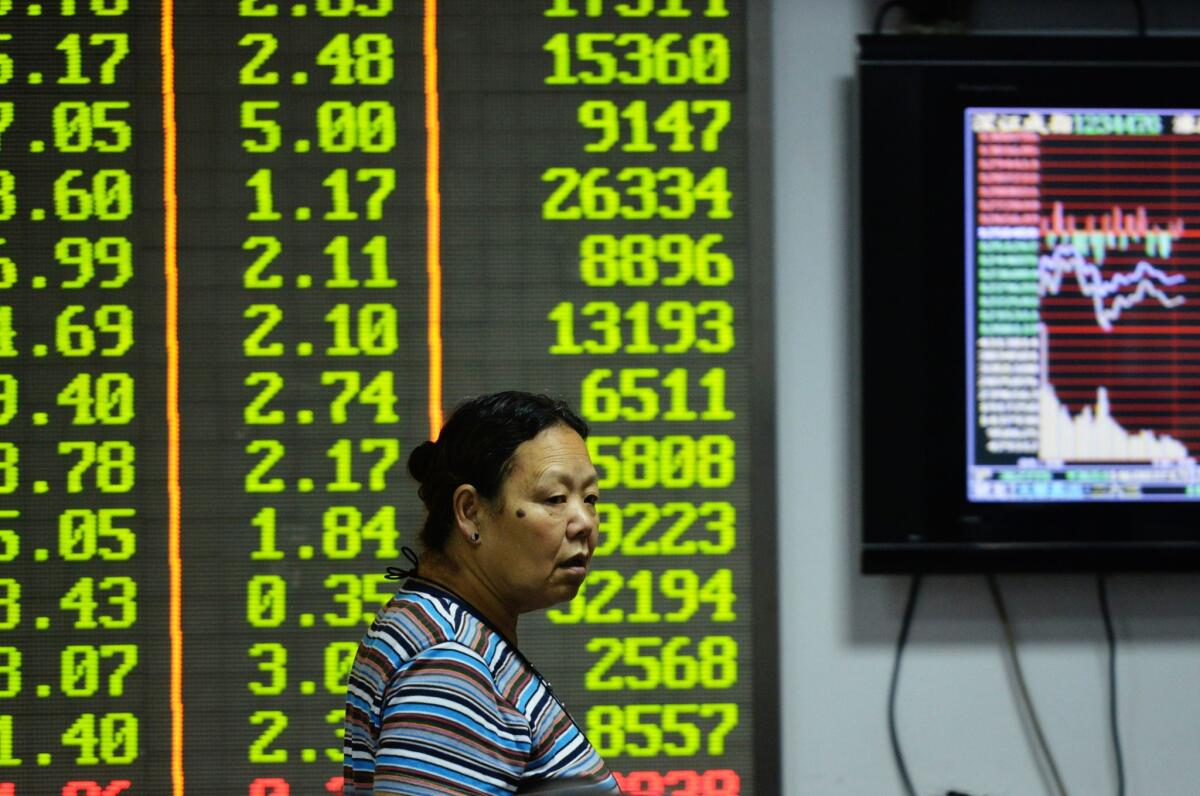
(438, 569)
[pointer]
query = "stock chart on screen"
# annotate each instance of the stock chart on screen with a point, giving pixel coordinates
(1083, 304)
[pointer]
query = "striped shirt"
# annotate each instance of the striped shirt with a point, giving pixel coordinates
(440, 703)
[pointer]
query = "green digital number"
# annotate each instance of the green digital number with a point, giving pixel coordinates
(342, 454)
(272, 452)
(8, 195)
(264, 520)
(656, 663)
(113, 470)
(85, 256)
(6, 61)
(122, 596)
(90, 534)
(379, 392)
(7, 111)
(630, 125)
(253, 277)
(270, 131)
(72, 49)
(339, 659)
(365, 60)
(372, 330)
(82, 666)
(674, 461)
(705, 326)
(345, 532)
(639, 193)
(682, 588)
(272, 662)
(10, 394)
(356, 127)
(360, 595)
(8, 333)
(113, 740)
(376, 250)
(10, 671)
(338, 183)
(266, 601)
(639, 260)
(10, 540)
(647, 529)
(108, 197)
(634, 394)
(101, 8)
(106, 398)
(264, 198)
(344, 8)
(249, 74)
(253, 414)
(256, 8)
(10, 473)
(10, 603)
(634, 8)
(335, 717)
(667, 59)
(8, 270)
(276, 722)
(87, 127)
(75, 339)
(253, 345)
(654, 730)
(6, 743)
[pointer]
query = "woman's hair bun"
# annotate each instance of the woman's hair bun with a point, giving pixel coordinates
(421, 460)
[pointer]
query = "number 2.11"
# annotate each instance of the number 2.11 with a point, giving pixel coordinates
(256, 275)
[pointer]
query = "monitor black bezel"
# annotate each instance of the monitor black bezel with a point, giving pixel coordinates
(913, 92)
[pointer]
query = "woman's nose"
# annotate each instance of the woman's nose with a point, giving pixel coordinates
(583, 520)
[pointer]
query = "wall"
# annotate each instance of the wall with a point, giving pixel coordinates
(958, 718)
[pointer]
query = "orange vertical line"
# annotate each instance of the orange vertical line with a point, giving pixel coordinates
(433, 200)
(174, 491)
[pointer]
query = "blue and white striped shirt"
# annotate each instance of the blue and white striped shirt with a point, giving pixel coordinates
(440, 703)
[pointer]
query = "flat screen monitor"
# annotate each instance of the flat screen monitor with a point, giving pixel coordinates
(1031, 303)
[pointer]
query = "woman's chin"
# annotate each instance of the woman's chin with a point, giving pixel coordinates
(564, 588)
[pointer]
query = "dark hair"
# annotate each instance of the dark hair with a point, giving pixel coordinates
(476, 447)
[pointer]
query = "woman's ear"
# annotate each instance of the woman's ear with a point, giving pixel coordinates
(468, 510)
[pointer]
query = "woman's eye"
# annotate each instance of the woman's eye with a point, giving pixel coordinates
(557, 499)
(592, 499)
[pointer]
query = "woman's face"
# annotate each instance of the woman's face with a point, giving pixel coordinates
(539, 534)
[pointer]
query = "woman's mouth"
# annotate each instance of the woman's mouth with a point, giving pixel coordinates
(576, 565)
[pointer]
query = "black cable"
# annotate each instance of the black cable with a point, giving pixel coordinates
(1139, 6)
(1102, 590)
(882, 12)
(910, 607)
(1010, 643)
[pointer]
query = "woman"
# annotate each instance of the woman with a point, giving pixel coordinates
(440, 700)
